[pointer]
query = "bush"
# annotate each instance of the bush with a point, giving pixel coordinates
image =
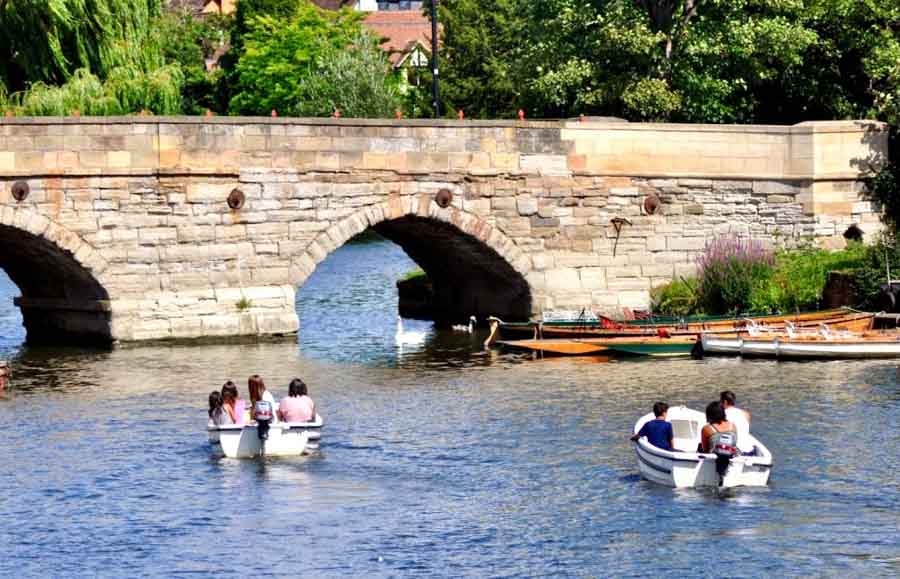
(730, 269)
(799, 277)
(676, 298)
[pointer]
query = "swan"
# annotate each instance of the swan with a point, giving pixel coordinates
(408, 338)
(468, 329)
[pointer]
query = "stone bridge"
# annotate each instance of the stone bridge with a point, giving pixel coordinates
(140, 228)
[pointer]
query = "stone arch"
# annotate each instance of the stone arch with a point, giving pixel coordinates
(405, 211)
(60, 276)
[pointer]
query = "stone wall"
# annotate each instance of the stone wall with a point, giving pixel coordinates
(132, 222)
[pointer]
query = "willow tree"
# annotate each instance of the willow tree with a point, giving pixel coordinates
(48, 40)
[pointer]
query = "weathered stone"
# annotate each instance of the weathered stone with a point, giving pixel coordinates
(138, 212)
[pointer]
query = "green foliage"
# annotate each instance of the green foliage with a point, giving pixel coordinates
(127, 90)
(730, 269)
(685, 60)
(795, 282)
(48, 40)
(676, 298)
(357, 80)
(417, 273)
(482, 45)
(283, 61)
(799, 277)
(189, 42)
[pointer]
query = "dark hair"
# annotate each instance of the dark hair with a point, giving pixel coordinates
(297, 387)
(660, 408)
(215, 402)
(229, 392)
(728, 396)
(715, 413)
(257, 387)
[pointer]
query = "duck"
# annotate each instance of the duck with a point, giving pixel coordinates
(407, 338)
(465, 328)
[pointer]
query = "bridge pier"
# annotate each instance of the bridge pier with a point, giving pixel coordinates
(61, 322)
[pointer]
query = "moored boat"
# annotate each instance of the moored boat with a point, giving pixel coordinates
(688, 468)
(281, 438)
(824, 347)
(636, 346)
(843, 318)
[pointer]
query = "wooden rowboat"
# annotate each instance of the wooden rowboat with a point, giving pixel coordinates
(847, 319)
(635, 346)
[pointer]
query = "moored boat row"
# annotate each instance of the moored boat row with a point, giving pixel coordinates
(591, 327)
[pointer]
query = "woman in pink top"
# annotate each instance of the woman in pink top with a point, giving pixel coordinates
(298, 406)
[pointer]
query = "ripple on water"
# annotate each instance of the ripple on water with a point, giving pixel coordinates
(442, 461)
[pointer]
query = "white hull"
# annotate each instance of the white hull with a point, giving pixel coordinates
(285, 439)
(695, 469)
(802, 348)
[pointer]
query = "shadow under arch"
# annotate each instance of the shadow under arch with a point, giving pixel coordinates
(474, 268)
(62, 300)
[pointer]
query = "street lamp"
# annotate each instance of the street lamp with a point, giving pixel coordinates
(435, 91)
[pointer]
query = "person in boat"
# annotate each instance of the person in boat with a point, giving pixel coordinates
(717, 426)
(218, 416)
(259, 392)
(719, 437)
(298, 406)
(231, 403)
(740, 418)
(659, 430)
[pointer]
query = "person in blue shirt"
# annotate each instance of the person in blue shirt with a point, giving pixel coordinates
(659, 431)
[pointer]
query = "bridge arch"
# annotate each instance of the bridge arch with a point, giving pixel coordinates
(59, 275)
(474, 267)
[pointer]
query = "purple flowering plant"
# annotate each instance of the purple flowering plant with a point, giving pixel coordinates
(729, 268)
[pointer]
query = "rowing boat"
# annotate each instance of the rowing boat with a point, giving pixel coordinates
(830, 346)
(843, 318)
(635, 346)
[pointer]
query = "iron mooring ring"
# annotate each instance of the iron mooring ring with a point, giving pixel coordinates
(443, 198)
(20, 191)
(651, 204)
(236, 199)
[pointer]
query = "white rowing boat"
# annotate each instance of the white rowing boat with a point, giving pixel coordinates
(283, 439)
(687, 468)
(826, 347)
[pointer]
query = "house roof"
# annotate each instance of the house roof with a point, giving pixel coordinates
(401, 29)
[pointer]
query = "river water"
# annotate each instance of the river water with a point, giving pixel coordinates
(440, 460)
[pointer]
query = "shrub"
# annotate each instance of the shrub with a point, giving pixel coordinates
(676, 298)
(730, 268)
(799, 277)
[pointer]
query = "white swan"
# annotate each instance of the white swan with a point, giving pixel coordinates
(468, 329)
(408, 338)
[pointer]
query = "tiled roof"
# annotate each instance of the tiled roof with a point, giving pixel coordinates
(402, 29)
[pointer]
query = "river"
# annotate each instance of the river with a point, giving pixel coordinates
(443, 460)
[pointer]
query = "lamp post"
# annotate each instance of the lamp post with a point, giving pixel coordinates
(435, 91)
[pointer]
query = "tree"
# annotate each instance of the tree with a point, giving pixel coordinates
(310, 63)
(356, 80)
(481, 44)
(189, 42)
(48, 40)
